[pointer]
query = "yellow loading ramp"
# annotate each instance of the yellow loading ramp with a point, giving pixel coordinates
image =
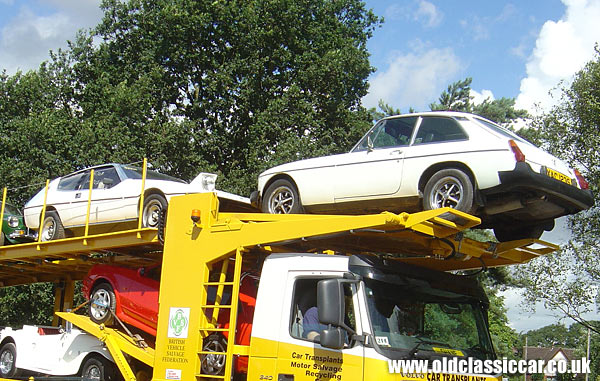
(116, 341)
(198, 237)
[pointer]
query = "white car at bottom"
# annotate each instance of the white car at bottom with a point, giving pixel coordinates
(115, 198)
(430, 160)
(53, 351)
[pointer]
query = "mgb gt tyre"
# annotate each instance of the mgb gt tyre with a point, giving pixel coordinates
(449, 188)
(282, 197)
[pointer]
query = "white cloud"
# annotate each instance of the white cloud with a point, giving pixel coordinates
(562, 48)
(421, 11)
(428, 13)
(479, 97)
(28, 37)
(414, 79)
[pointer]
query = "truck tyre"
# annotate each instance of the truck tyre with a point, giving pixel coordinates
(102, 305)
(8, 360)
(52, 228)
(153, 205)
(281, 197)
(98, 368)
(449, 187)
(214, 364)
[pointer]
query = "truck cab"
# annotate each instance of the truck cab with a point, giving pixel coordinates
(371, 310)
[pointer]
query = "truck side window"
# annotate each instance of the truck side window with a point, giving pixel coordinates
(305, 324)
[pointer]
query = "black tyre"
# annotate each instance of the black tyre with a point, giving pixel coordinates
(449, 188)
(98, 368)
(102, 305)
(8, 360)
(52, 227)
(162, 222)
(281, 197)
(214, 364)
(505, 235)
(153, 205)
(1, 239)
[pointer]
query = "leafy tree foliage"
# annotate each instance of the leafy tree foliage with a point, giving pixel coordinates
(567, 281)
(233, 87)
(458, 98)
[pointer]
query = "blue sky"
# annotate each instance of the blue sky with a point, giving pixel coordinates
(518, 49)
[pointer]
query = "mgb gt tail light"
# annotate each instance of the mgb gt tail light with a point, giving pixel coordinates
(582, 183)
(519, 155)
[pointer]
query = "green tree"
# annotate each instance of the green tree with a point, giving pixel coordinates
(566, 282)
(457, 97)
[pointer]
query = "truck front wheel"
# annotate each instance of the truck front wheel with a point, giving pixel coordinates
(214, 364)
(8, 359)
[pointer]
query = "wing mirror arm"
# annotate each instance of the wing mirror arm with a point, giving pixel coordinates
(369, 144)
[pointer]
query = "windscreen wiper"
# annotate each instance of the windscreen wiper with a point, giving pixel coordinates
(413, 351)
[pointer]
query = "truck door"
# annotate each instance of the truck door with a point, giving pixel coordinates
(300, 356)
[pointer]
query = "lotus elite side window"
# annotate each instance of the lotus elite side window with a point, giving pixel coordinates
(105, 178)
(435, 129)
(388, 133)
(71, 182)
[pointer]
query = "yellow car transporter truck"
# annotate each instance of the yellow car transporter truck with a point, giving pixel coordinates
(338, 296)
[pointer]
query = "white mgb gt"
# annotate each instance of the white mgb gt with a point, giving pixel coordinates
(115, 198)
(431, 160)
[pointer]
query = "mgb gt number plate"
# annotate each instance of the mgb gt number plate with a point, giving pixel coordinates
(559, 176)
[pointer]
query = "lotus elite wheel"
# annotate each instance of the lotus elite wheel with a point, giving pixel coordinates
(449, 188)
(281, 197)
(505, 235)
(214, 364)
(97, 368)
(52, 228)
(8, 358)
(153, 205)
(102, 305)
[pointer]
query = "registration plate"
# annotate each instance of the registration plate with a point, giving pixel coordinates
(559, 176)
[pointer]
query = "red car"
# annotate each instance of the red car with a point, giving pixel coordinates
(132, 295)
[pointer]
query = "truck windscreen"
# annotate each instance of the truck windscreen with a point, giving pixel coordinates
(422, 323)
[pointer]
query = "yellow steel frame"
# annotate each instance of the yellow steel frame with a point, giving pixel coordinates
(194, 246)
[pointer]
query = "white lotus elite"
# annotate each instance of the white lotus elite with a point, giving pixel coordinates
(115, 198)
(431, 160)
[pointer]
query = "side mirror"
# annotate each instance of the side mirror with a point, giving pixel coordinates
(332, 338)
(108, 182)
(330, 302)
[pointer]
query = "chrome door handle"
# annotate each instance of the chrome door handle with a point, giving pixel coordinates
(77, 195)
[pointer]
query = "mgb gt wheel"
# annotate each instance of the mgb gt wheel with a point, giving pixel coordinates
(281, 197)
(449, 188)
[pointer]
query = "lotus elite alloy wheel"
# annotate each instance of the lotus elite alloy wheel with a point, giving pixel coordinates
(102, 304)
(449, 188)
(153, 205)
(8, 357)
(214, 364)
(98, 368)
(281, 197)
(52, 228)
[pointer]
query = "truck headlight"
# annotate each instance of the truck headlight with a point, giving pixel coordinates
(13, 221)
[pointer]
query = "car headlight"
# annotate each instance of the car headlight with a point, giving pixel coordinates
(13, 221)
